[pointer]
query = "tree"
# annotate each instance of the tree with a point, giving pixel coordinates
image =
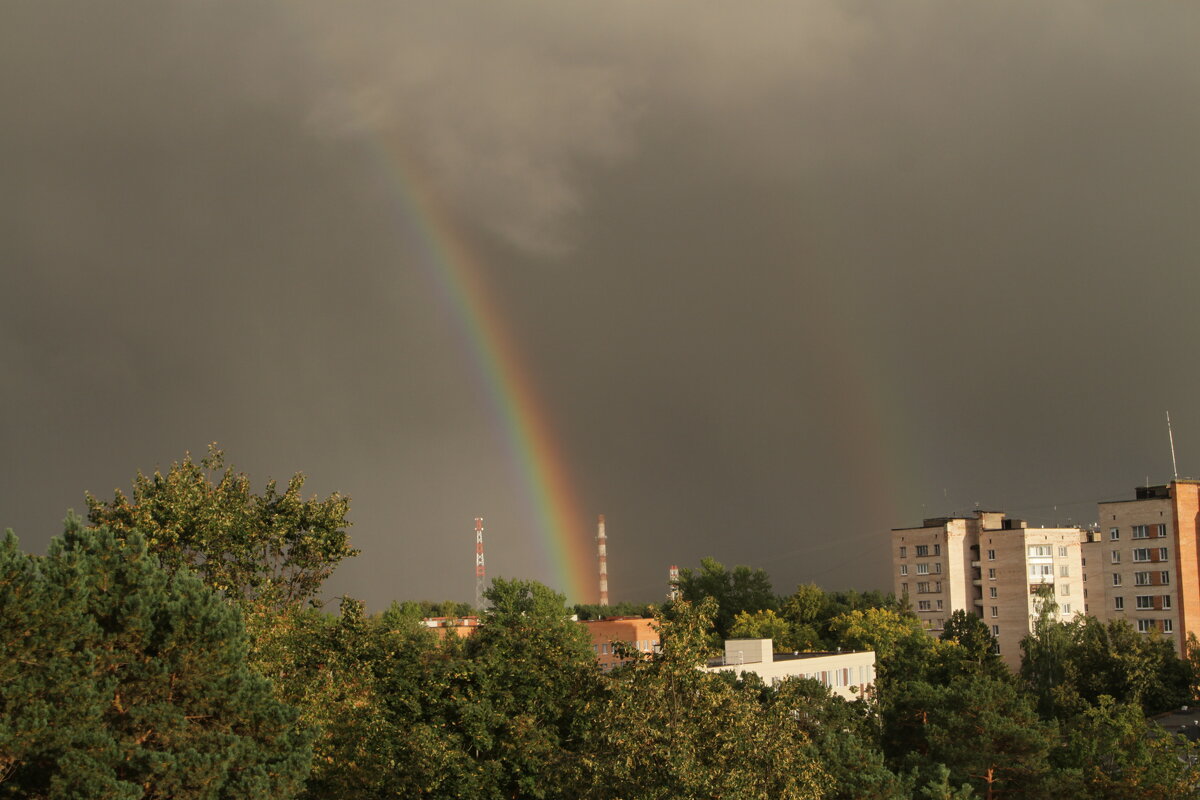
(976, 649)
(275, 548)
(763, 625)
(737, 590)
(159, 701)
(669, 730)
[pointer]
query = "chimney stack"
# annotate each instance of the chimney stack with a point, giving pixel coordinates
(602, 551)
(479, 570)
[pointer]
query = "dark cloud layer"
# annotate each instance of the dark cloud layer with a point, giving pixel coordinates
(785, 276)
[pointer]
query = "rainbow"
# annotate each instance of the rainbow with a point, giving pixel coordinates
(511, 390)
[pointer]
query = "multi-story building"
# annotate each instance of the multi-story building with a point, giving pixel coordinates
(1143, 562)
(991, 566)
(845, 674)
(641, 632)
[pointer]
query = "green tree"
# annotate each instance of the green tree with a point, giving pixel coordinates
(737, 590)
(763, 625)
(976, 649)
(669, 730)
(162, 703)
(275, 548)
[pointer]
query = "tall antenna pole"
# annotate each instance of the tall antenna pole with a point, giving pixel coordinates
(479, 570)
(673, 583)
(1171, 436)
(602, 552)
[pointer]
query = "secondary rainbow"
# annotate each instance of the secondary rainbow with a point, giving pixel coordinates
(512, 393)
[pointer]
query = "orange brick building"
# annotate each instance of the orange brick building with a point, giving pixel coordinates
(638, 631)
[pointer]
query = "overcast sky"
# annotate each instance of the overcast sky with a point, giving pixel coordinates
(783, 276)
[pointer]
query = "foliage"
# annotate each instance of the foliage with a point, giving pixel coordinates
(1111, 752)
(734, 591)
(763, 625)
(975, 650)
(132, 682)
(275, 548)
(669, 730)
(589, 611)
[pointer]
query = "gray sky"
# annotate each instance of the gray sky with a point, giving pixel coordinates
(783, 276)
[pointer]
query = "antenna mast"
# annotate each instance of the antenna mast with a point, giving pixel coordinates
(479, 570)
(1171, 436)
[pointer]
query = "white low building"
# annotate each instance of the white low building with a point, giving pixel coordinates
(846, 674)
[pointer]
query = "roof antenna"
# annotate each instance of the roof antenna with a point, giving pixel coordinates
(1171, 436)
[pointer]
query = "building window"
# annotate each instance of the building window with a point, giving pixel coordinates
(903, 551)
(995, 630)
(1141, 579)
(992, 574)
(1039, 550)
(937, 586)
(1064, 570)
(991, 555)
(1064, 589)
(995, 611)
(922, 569)
(1116, 557)
(1066, 608)
(1141, 554)
(1062, 552)
(904, 588)
(1041, 570)
(1162, 554)
(1165, 578)
(1160, 530)
(1167, 626)
(992, 592)
(1140, 532)
(1166, 602)
(1145, 625)
(923, 587)
(1143, 602)
(937, 549)
(1114, 534)
(1119, 603)
(904, 569)
(922, 551)
(937, 568)
(924, 605)
(939, 605)
(1116, 579)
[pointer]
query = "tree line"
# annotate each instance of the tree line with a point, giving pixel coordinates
(171, 646)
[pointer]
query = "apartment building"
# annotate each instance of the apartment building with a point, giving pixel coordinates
(641, 632)
(991, 566)
(1143, 562)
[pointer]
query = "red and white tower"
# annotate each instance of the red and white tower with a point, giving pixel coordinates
(673, 583)
(602, 551)
(479, 570)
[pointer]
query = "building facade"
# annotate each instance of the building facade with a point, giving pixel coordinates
(1144, 561)
(637, 631)
(991, 566)
(845, 674)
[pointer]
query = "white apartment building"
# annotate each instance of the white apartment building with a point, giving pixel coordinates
(990, 566)
(845, 674)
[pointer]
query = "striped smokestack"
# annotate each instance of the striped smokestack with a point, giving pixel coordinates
(602, 551)
(479, 570)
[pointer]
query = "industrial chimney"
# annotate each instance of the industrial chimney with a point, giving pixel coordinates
(602, 551)
(479, 570)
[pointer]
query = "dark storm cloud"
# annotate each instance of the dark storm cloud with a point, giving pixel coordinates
(760, 260)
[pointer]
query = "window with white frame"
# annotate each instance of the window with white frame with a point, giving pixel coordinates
(1040, 550)
(924, 605)
(1141, 554)
(1064, 589)
(923, 587)
(904, 569)
(922, 568)
(1116, 556)
(922, 551)
(992, 574)
(1140, 532)
(1160, 530)
(1114, 534)
(1143, 602)
(991, 555)
(1141, 579)
(1041, 570)
(1119, 603)
(1116, 579)
(1165, 578)
(937, 549)
(1162, 554)
(1168, 626)
(1145, 625)
(995, 630)
(993, 592)
(939, 605)
(1166, 602)
(1062, 552)
(1066, 608)
(995, 611)
(1064, 570)
(937, 568)
(903, 551)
